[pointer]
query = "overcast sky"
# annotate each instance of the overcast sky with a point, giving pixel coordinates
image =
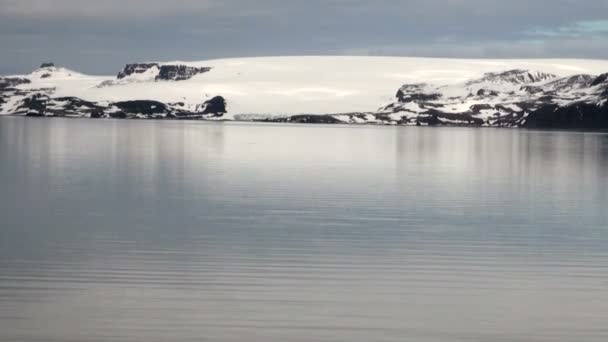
(100, 36)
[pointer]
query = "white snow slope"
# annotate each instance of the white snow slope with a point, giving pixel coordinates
(297, 85)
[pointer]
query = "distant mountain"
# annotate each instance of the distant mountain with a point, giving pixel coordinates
(515, 98)
(354, 90)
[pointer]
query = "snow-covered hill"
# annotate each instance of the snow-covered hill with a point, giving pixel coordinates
(384, 90)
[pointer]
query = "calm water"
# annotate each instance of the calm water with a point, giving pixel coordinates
(173, 231)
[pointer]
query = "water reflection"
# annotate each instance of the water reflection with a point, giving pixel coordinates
(138, 230)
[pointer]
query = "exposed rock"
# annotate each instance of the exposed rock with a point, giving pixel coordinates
(575, 116)
(136, 68)
(416, 92)
(429, 120)
(179, 72)
(476, 108)
(95, 114)
(216, 105)
(572, 82)
(517, 76)
(519, 98)
(10, 82)
(600, 79)
(486, 92)
(145, 107)
(316, 119)
(454, 119)
(106, 83)
(34, 105)
(118, 115)
(72, 106)
(47, 65)
(532, 89)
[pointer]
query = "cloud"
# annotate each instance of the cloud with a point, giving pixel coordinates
(427, 9)
(99, 8)
(578, 29)
(594, 48)
(73, 32)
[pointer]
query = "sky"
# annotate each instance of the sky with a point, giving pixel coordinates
(99, 37)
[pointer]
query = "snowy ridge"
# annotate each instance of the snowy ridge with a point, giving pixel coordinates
(517, 76)
(321, 89)
(508, 98)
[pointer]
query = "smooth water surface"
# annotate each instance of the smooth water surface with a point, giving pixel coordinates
(193, 231)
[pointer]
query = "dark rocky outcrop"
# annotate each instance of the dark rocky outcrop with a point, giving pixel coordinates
(146, 107)
(603, 78)
(429, 120)
(216, 106)
(136, 68)
(314, 119)
(575, 116)
(417, 92)
(179, 72)
(517, 76)
(118, 115)
(486, 92)
(96, 114)
(10, 82)
(572, 82)
(47, 65)
(34, 105)
(479, 107)
(73, 106)
(453, 119)
(519, 98)
(532, 89)
(167, 72)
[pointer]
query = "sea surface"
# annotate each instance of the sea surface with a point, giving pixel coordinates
(196, 231)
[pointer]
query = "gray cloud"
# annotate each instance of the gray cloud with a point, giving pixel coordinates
(578, 29)
(95, 8)
(99, 36)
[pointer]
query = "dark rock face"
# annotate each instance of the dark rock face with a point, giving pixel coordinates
(47, 65)
(485, 92)
(600, 79)
(315, 119)
(459, 119)
(478, 107)
(405, 98)
(179, 72)
(216, 106)
(532, 89)
(10, 82)
(136, 68)
(34, 105)
(145, 107)
(118, 115)
(576, 116)
(429, 120)
(96, 114)
(572, 82)
(72, 106)
(415, 93)
(165, 73)
(516, 76)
